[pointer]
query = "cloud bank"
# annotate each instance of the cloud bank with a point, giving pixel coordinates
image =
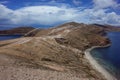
(105, 3)
(50, 15)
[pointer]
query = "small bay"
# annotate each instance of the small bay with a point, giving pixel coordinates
(7, 37)
(109, 57)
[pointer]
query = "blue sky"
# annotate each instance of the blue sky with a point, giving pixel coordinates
(53, 12)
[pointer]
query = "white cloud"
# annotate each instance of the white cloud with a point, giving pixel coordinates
(49, 15)
(5, 13)
(105, 3)
(102, 17)
(44, 14)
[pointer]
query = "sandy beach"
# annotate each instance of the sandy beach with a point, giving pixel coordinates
(96, 65)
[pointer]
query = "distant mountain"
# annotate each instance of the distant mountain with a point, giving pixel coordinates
(109, 27)
(16, 31)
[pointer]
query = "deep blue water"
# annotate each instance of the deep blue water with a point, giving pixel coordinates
(7, 37)
(109, 57)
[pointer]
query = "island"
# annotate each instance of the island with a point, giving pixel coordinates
(56, 53)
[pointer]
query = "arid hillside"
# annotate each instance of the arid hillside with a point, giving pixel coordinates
(52, 54)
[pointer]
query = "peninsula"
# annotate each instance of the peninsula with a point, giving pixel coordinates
(53, 54)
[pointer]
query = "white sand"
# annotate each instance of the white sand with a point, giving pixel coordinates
(97, 66)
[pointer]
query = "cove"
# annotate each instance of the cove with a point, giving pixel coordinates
(109, 57)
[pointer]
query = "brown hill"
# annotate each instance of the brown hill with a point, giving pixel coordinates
(16, 31)
(55, 53)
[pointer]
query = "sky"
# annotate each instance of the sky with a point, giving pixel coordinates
(42, 13)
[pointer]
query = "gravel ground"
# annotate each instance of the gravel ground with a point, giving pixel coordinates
(22, 73)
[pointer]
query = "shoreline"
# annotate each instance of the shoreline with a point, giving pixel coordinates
(95, 65)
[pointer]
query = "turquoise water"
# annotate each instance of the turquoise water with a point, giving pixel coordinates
(7, 37)
(109, 57)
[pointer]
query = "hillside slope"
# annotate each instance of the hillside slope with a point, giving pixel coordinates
(52, 54)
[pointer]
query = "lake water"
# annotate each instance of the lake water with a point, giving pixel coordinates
(7, 37)
(109, 57)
